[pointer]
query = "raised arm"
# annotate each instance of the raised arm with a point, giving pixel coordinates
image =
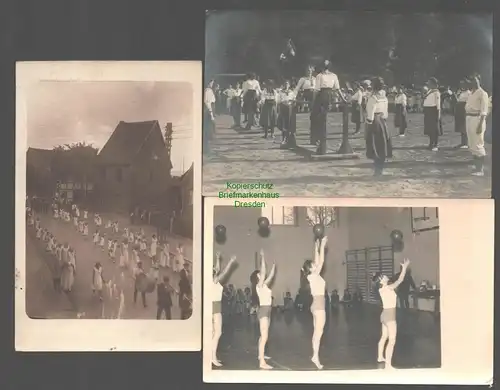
(299, 86)
(402, 275)
(319, 259)
(270, 277)
(262, 273)
(217, 263)
(226, 269)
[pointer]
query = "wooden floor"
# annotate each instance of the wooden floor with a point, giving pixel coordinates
(349, 340)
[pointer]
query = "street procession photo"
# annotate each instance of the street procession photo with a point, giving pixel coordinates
(335, 289)
(107, 225)
(348, 104)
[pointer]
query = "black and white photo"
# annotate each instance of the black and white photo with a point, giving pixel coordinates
(350, 104)
(110, 181)
(312, 286)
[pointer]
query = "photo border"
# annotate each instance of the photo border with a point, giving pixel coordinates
(32, 335)
(466, 232)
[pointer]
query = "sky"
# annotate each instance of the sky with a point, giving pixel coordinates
(67, 112)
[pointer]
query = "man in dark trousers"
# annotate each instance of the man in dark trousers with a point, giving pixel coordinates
(403, 290)
(164, 299)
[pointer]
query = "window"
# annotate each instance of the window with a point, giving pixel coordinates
(279, 215)
(119, 175)
(326, 216)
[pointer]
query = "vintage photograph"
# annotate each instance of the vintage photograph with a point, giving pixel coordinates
(355, 104)
(109, 216)
(323, 288)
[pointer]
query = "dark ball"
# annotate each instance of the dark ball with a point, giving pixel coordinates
(220, 230)
(318, 231)
(263, 223)
(264, 232)
(396, 235)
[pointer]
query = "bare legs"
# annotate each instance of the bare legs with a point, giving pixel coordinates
(264, 334)
(389, 332)
(319, 319)
(216, 333)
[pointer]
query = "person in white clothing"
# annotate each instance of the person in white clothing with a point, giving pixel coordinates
(262, 295)
(388, 296)
(400, 119)
(153, 248)
(327, 90)
(432, 113)
(476, 111)
(217, 291)
(251, 93)
(378, 141)
(312, 270)
(208, 116)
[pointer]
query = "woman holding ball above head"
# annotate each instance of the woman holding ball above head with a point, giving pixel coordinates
(388, 317)
(217, 291)
(264, 297)
(312, 270)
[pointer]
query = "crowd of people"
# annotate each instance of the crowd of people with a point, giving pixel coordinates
(126, 250)
(271, 106)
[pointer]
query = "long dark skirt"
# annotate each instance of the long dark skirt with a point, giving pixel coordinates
(268, 115)
(400, 119)
(378, 142)
(287, 117)
(460, 117)
(250, 102)
(431, 121)
(357, 112)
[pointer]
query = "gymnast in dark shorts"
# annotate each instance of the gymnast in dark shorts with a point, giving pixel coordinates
(217, 290)
(388, 316)
(263, 298)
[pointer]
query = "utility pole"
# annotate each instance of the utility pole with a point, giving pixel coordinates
(168, 137)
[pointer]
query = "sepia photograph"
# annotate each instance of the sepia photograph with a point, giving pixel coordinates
(109, 195)
(332, 288)
(355, 104)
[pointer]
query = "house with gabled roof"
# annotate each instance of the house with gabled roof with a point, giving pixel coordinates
(182, 192)
(134, 166)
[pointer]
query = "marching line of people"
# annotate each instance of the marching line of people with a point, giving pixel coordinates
(271, 106)
(261, 298)
(132, 251)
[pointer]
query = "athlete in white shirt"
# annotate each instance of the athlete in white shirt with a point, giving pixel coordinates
(263, 294)
(388, 317)
(312, 270)
(476, 111)
(217, 291)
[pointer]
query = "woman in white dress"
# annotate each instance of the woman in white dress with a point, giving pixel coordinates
(263, 298)
(312, 270)
(96, 237)
(179, 258)
(153, 248)
(85, 230)
(98, 281)
(388, 317)
(217, 291)
(163, 255)
(124, 259)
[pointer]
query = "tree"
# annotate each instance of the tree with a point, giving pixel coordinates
(326, 216)
(74, 162)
